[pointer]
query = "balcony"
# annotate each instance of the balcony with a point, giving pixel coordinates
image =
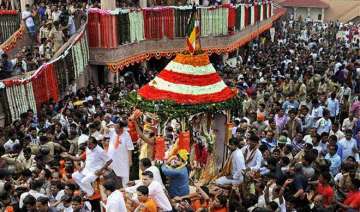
(111, 44)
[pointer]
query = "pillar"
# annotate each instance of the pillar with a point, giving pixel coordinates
(23, 3)
(308, 11)
(295, 18)
(143, 3)
(108, 4)
(322, 14)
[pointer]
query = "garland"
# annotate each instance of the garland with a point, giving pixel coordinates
(11, 42)
(20, 98)
(8, 25)
(8, 12)
(167, 109)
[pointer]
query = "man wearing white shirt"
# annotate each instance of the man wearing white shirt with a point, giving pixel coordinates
(120, 151)
(349, 146)
(252, 154)
(96, 161)
(115, 200)
(145, 165)
(235, 175)
(156, 192)
(35, 187)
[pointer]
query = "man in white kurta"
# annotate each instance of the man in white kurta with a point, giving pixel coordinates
(237, 167)
(115, 201)
(252, 154)
(96, 161)
(120, 147)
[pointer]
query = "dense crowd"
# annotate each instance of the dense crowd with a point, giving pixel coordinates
(294, 145)
(49, 25)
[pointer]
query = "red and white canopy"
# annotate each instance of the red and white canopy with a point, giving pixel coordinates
(188, 80)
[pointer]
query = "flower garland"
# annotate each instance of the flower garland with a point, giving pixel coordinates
(11, 42)
(8, 12)
(8, 25)
(20, 98)
(168, 109)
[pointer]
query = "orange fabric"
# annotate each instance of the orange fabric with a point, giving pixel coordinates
(9, 209)
(150, 206)
(201, 60)
(219, 210)
(132, 131)
(117, 141)
(96, 194)
(83, 156)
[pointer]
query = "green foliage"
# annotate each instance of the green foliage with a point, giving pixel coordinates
(166, 109)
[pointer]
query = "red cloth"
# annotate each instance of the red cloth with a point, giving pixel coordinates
(45, 85)
(93, 29)
(247, 13)
(184, 140)
(201, 154)
(327, 192)
(231, 18)
(353, 200)
(159, 148)
(168, 17)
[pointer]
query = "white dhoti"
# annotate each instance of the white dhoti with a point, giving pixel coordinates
(227, 181)
(85, 181)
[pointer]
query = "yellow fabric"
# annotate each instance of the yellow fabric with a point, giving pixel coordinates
(184, 155)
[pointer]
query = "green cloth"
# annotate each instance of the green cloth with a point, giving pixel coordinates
(181, 21)
(123, 28)
(136, 26)
(214, 21)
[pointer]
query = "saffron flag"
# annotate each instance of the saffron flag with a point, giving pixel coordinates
(193, 32)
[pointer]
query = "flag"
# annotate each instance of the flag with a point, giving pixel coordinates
(193, 32)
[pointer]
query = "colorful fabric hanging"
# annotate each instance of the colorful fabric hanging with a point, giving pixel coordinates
(45, 86)
(168, 22)
(184, 140)
(231, 18)
(159, 148)
(252, 15)
(123, 28)
(238, 17)
(181, 20)
(153, 24)
(94, 29)
(214, 21)
(136, 26)
(247, 15)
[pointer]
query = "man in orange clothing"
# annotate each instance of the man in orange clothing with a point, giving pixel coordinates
(146, 204)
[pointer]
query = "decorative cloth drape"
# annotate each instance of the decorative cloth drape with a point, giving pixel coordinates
(247, 15)
(9, 23)
(182, 16)
(159, 148)
(123, 28)
(184, 140)
(240, 17)
(158, 22)
(231, 18)
(108, 33)
(94, 29)
(45, 85)
(252, 15)
(136, 26)
(214, 21)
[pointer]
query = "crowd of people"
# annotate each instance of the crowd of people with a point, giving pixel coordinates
(294, 146)
(49, 25)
